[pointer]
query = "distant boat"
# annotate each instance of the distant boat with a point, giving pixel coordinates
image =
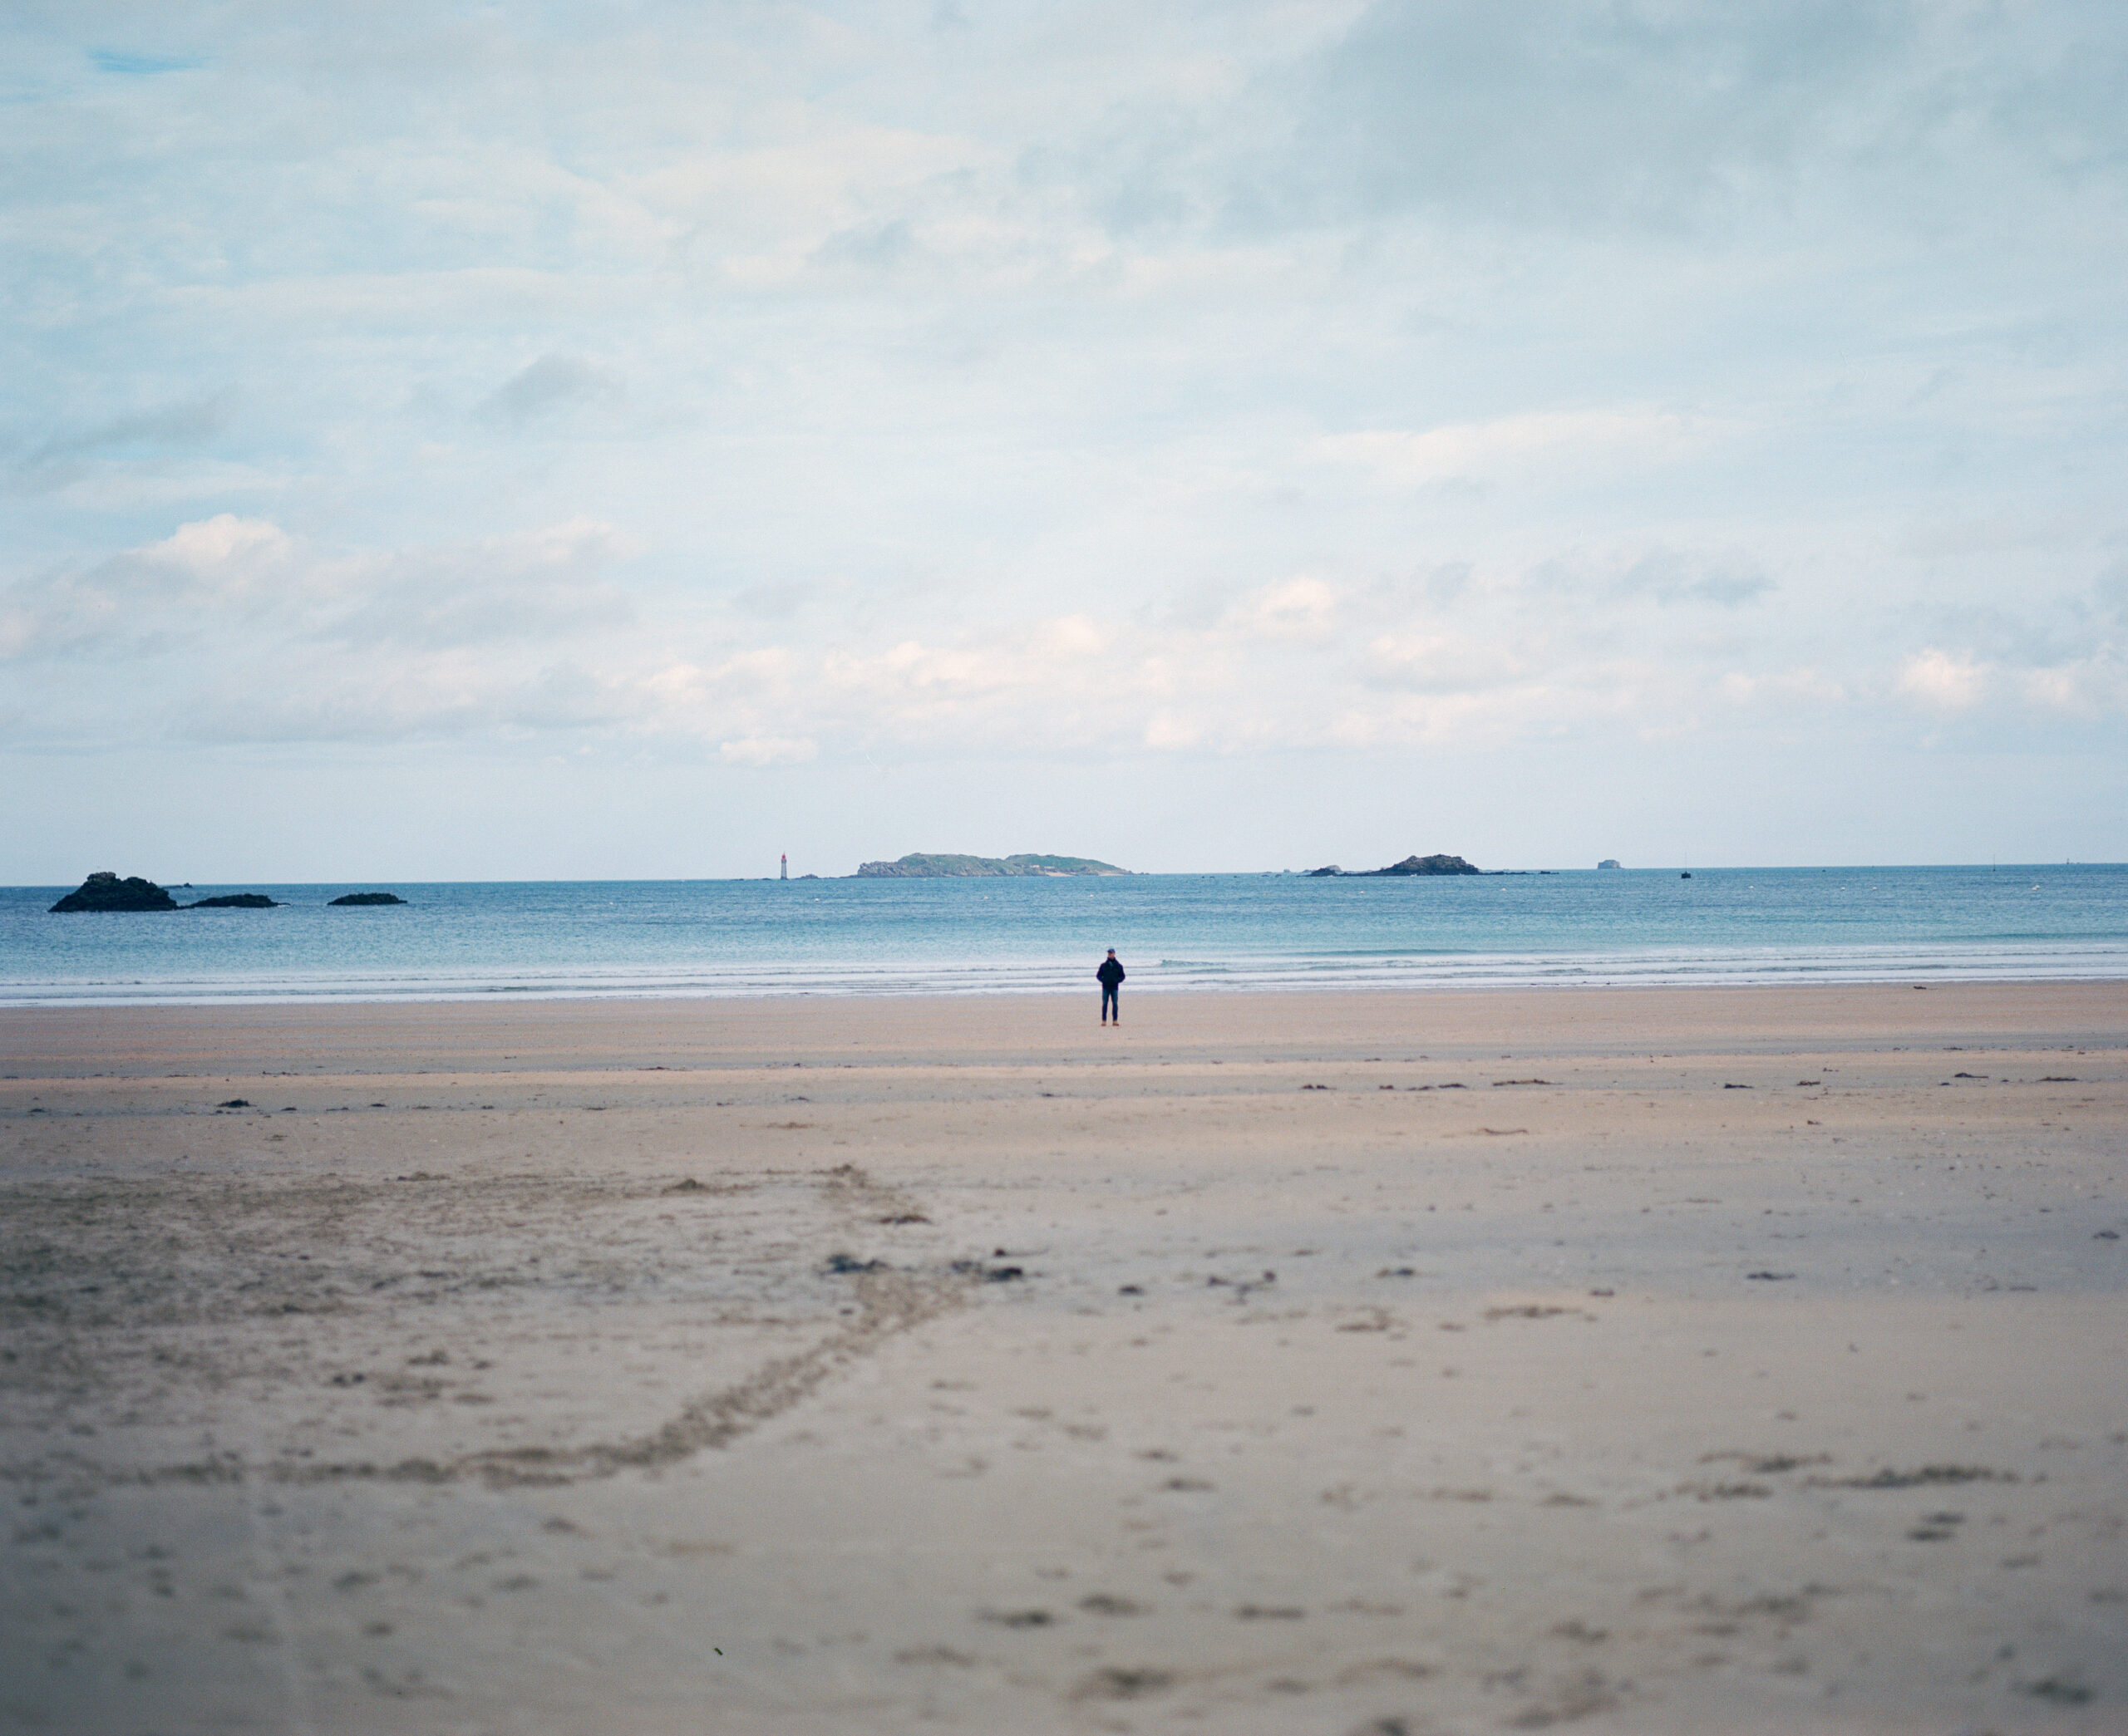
(1686, 875)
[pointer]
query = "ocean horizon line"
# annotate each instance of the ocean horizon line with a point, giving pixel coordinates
(816, 877)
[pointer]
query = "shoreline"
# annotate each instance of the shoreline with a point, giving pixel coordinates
(1471, 1025)
(1217, 981)
(2021, 990)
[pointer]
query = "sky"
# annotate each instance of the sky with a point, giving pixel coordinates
(450, 441)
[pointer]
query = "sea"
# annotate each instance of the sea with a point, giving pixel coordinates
(458, 941)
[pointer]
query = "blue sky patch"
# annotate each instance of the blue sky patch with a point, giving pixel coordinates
(138, 65)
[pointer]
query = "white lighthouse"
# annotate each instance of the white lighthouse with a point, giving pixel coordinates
(784, 873)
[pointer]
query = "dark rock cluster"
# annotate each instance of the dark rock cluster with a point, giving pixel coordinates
(1409, 865)
(105, 891)
(369, 898)
(1428, 865)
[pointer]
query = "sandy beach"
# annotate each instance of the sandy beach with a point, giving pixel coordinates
(1673, 1360)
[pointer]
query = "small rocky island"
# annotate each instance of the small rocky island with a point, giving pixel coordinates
(921, 867)
(1409, 865)
(105, 891)
(369, 898)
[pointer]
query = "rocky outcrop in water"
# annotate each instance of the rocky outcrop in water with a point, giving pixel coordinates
(921, 867)
(1428, 865)
(235, 900)
(105, 891)
(1409, 865)
(369, 898)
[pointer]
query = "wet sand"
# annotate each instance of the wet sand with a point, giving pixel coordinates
(1653, 1360)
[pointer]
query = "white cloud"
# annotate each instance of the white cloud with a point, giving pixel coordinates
(767, 750)
(1516, 446)
(220, 544)
(1080, 387)
(2085, 688)
(1169, 731)
(1449, 661)
(2090, 687)
(1302, 608)
(1795, 686)
(1946, 681)
(214, 581)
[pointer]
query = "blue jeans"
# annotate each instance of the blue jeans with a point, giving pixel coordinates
(1109, 1000)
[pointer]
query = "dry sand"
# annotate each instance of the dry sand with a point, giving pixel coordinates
(1667, 1361)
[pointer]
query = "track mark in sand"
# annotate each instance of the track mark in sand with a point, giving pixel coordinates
(1393, 1668)
(888, 1302)
(1579, 1696)
(852, 1190)
(1113, 1684)
(892, 1303)
(1770, 1464)
(1725, 1490)
(1922, 1477)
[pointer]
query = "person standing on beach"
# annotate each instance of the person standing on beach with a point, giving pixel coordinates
(1111, 979)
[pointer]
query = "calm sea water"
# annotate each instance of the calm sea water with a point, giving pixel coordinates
(470, 941)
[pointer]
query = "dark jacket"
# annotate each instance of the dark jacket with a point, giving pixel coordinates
(1111, 973)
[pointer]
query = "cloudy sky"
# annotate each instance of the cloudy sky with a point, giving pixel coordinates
(451, 440)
